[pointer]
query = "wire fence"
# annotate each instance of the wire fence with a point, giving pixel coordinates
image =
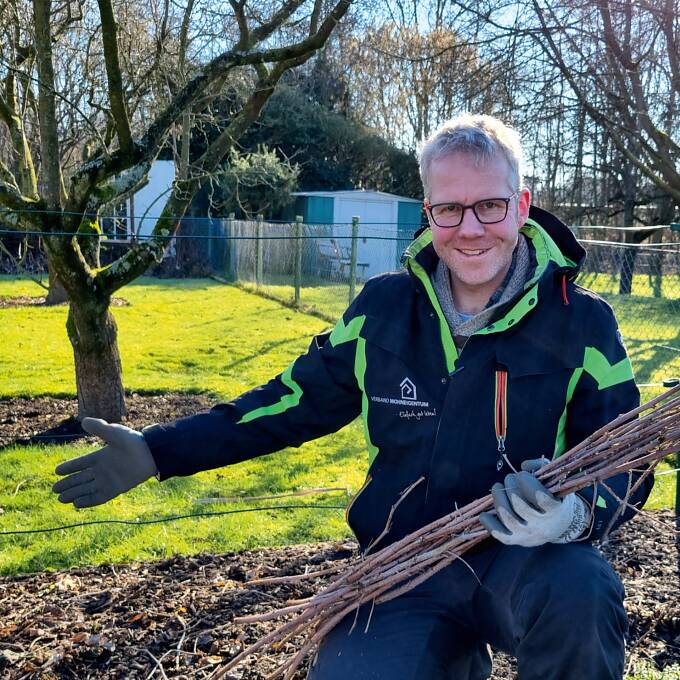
(321, 267)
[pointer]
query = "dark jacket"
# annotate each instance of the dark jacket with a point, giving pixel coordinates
(547, 372)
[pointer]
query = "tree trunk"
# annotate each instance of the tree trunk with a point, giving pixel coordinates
(626, 270)
(629, 254)
(93, 334)
(56, 293)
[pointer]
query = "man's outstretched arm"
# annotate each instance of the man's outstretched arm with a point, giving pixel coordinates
(317, 394)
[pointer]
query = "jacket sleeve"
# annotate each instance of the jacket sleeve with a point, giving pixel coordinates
(604, 389)
(316, 395)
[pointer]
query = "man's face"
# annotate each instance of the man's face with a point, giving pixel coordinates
(478, 255)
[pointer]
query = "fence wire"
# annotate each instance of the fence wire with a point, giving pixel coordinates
(321, 267)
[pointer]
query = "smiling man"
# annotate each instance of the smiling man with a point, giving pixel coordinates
(475, 361)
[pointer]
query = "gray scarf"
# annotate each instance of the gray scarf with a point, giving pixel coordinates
(518, 274)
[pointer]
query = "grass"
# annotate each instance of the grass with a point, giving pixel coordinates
(174, 336)
(647, 671)
(194, 336)
(188, 336)
(28, 503)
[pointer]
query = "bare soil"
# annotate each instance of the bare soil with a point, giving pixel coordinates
(174, 618)
(39, 301)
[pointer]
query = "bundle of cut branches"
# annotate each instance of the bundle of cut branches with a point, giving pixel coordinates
(634, 442)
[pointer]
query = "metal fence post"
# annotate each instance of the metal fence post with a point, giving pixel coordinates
(298, 258)
(353, 259)
(258, 250)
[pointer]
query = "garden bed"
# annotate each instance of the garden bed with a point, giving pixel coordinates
(126, 621)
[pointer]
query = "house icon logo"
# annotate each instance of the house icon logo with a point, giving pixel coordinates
(408, 390)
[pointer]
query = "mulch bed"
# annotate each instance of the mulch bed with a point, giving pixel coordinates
(51, 420)
(39, 301)
(174, 618)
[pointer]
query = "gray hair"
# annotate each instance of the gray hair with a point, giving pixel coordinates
(483, 137)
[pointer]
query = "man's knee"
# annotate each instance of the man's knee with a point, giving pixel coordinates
(575, 590)
(405, 640)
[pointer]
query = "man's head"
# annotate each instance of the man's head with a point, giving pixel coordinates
(466, 161)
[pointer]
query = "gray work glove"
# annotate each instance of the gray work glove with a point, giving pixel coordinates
(96, 478)
(527, 514)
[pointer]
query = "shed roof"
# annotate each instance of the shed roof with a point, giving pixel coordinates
(358, 193)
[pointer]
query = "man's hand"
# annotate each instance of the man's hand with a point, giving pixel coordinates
(96, 478)
(527, 514)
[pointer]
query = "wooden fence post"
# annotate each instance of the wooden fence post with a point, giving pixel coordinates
(258, 250)
(233, 247)
(353, 259)
(298, 258)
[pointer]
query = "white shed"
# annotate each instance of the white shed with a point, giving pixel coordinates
(386, 223)
(138, 214)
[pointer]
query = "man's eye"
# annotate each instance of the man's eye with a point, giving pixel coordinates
(490, 205)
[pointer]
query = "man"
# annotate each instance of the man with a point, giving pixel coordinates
(478, 359)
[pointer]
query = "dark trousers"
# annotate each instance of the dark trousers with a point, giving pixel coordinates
(557, 608)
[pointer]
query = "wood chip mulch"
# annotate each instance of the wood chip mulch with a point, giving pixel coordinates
(39, 301)
(53, 420)
(129, 621)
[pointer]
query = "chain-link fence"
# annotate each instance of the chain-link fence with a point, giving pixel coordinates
(321, 267)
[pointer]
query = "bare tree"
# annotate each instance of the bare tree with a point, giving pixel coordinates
(256, 44)
(404, 79)
(622, 62)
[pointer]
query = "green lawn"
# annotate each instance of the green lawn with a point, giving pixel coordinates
(647, 671)
(28, 503)
(181, 336)
(191, 336)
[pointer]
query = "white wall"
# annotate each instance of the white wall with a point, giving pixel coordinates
(377, 217)
(150, 200)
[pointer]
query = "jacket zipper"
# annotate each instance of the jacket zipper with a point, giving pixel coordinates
(501, 414)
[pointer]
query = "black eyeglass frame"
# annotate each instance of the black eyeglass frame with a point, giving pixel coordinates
(471, 207)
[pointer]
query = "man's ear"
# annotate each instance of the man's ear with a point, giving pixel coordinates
(426, 205)
(523, 204)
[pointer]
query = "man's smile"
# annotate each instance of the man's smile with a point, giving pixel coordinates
(473, 252)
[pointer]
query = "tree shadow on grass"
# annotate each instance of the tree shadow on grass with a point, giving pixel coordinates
(65, 432)
(262, 351)
(651, 356)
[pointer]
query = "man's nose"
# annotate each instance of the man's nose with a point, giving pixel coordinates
(470, 226)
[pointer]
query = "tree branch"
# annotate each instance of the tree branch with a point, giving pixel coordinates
(114, 77)
(99, 169)
(660, 179)
(11, 197)
(264, 31)
(140, 257)
(49, 136)
(314, 20)
(243, 32)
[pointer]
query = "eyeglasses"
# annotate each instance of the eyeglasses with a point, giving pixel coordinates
(487, 211)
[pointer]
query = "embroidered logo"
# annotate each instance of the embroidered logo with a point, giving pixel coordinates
(408, 390)
(409, 397)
